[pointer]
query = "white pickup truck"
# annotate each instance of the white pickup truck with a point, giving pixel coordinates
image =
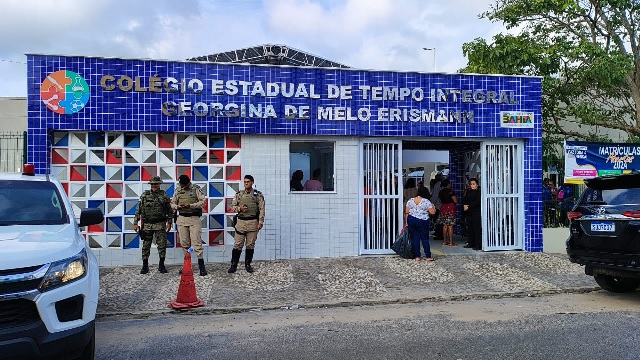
(48, 274)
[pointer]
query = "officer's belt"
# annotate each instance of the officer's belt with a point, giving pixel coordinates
(248, 218)
(189, 215)
(155, 222)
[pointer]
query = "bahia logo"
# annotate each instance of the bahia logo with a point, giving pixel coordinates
(64, 92)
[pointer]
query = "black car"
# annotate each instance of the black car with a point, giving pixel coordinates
(605, 231)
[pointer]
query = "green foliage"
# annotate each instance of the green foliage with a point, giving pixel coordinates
(588, 53)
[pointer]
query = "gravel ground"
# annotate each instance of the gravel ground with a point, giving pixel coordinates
(344, 281)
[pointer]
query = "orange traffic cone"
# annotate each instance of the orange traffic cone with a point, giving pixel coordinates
(187, 297)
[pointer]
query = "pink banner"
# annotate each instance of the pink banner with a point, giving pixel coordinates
(588, 173)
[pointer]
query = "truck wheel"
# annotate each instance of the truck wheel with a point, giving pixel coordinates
(616, 284)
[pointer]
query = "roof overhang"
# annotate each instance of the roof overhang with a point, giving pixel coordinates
(270, 54)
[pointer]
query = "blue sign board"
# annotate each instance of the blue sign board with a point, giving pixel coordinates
(234, 98)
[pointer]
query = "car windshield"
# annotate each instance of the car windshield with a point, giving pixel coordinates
(30, 203)
(616, 200)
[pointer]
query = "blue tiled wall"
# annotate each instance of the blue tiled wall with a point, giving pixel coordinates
(141, 111)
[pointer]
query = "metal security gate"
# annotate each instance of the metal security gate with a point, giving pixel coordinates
(381, 196)
(502, 195)
(13, 150)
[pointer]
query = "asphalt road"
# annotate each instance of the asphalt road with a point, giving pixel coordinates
(596, 325)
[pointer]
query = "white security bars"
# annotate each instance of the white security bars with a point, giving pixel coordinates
(503, 196)
(380, 189)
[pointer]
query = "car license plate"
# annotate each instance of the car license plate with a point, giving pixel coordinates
(603, 226)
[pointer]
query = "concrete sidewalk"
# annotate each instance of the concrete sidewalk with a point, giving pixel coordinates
(456, 274)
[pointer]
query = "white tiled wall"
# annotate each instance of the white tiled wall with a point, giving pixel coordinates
(302, 224)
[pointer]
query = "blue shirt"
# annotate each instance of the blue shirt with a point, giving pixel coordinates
(568, 192)
(546, 193)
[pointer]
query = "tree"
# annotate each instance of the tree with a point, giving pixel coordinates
(587, 52)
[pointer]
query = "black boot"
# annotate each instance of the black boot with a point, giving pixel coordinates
(203, 270)
(145, 266)
(248, 257)
(235, 258)
(161, 267)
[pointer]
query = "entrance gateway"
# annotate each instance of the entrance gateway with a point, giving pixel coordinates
(501, 177)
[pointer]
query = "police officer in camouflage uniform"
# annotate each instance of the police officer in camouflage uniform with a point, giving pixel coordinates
(188, 200)
(154, 213)
(249, 205)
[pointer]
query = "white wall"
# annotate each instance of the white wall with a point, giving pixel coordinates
(303, 224)
(554, 240)
(13, 114)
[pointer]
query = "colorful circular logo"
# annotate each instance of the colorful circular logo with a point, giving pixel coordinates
(64, 92)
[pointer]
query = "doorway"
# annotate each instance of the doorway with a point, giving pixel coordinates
(496, 164)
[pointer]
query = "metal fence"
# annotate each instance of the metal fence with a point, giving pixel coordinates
(13, 150)
(555, 211)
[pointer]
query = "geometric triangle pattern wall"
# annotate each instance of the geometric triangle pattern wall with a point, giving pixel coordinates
(110, 170)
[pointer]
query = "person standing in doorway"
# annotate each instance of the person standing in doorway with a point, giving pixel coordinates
(435, 200)
(188, 200)
(410, 190)
(249, 205)
(471, 204)
(314, 184)
(154, 214)
(416, 216)
(447, 212)
(421, 184)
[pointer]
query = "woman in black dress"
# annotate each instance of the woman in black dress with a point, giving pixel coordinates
(471, 204)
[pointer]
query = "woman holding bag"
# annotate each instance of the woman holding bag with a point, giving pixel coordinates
(416, 217)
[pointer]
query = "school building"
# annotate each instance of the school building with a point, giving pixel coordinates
(104, 126)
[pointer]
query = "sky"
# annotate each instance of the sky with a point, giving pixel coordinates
(364, 34)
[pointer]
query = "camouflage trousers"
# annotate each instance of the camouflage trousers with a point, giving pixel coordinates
(161, 240)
